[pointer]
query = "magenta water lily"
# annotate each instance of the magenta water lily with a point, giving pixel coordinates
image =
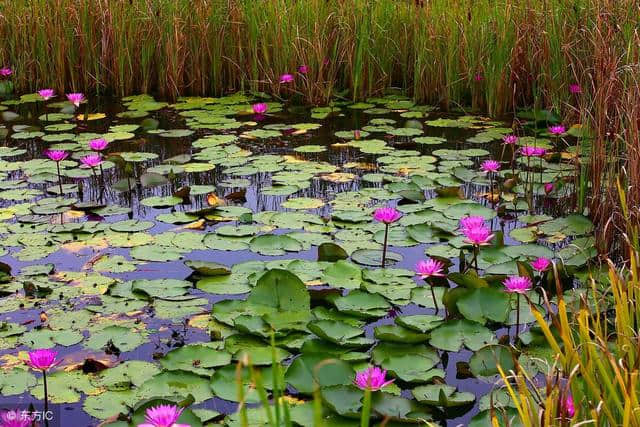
(57, 156)
(557, 130)
(43, 360)
(76, 98)
(163, 416)
(17, 418)
(387, 216)
(260, 108)
(92, 160)
(541, 264)
(46, 94)
(478, 236)
(5, 72)
(472, 221)
(286, 78)
(373, 378)
(98, 144)
(429, 268)
(510, 139)
(303, 69)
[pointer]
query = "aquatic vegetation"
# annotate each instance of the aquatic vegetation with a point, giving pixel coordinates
(236, 265)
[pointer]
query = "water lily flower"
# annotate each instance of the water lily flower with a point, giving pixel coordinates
(162, 416)
(557, 130)
(387, 215)
(548, 187)
(477, 236)
(75, 98)
(575, 88)
(303, 69)
(429, 268)
(517, 284)
(373, 378)
(56, 155)
(568, 408)
(260, 108)
(478, 77)
(541, 264)
(286, 78)
(356, 134)
(47, 94)
(531, 151)
(98, 144)
(5, 71)
(490, 166)
(510, 139)
(42, 359)
(472, 221)
(16, 418)
(92, 160)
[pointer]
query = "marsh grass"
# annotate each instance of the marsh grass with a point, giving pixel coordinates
(597, 358)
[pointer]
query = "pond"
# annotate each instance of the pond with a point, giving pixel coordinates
(205, 230)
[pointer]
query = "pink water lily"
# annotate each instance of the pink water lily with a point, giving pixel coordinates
(56, 155)
(42, 359)
(303, 69)
(92, 160)
(16, 418)
(531, 151)
(490, 166)
(541, 264)
(98, 144)
(478, 77)
(5, 72)
(75, 98)
(575, 88)
(478, 236)
(286, 78)
(162, 416)
(260, 108)
(372, 378)
(472, 221)
(46, 94)
(429, 268)
(557, 130)
(517, 284)
(387, 215)
(510, 139)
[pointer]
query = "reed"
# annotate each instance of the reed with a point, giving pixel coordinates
(596, 354)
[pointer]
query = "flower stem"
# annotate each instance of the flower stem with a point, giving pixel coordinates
(59, 179)
(433, 295)
(384, 246)
(366, 407)
(517, 317)
(46, 399)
